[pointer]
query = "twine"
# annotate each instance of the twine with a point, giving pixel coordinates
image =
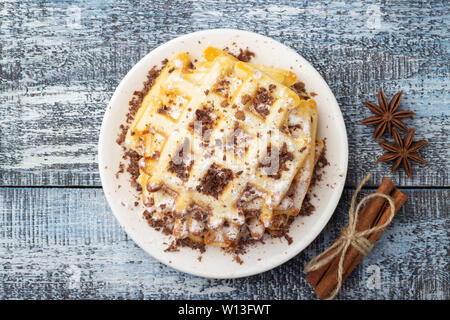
(350, 237)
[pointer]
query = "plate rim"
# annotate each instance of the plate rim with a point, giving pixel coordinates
(322, 221)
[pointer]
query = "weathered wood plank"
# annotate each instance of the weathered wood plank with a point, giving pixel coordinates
(61, 60)
(50, 237)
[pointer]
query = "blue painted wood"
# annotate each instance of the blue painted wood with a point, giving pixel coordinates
(49, 238)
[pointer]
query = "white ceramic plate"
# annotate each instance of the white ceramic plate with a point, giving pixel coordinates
(214, 263)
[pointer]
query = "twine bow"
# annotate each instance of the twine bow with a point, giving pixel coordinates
(350, 237)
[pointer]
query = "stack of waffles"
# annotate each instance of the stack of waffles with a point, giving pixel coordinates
(228, 149)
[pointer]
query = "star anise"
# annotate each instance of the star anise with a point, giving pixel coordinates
(386, 115)
(402, 151)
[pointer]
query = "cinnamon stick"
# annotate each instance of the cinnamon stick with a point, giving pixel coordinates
(366, 218)
(329, 280)
(399, 200)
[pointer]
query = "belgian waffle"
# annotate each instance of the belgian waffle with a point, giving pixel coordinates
(227, 148)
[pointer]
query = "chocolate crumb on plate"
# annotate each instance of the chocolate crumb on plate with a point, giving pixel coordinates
(216, 178)
(299, 88)
(121, 170)
(307, 207)
(192, 244)
(245, 55)
(245, 99)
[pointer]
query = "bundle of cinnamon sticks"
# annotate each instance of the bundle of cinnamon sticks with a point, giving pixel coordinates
(375, 213)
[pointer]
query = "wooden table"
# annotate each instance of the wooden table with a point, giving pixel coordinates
(60, 62)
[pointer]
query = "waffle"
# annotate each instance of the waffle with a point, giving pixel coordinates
(224, 146)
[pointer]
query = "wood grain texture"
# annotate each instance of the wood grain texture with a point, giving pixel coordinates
(48, 235)
(60, 62)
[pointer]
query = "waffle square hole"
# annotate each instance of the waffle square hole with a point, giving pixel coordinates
(151, 143)
(238, 142)
(172, 104)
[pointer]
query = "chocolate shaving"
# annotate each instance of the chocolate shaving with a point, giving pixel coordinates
(240, 115)
(288, 239)
(134, 104)
(244, 55)
(163, 109)
(238, 141)
(274, 154)
(198, 213)
(121, 170)
(203, 117)
(122, 134)
(299, 88)
(216, 179)
(139, 96)
(238, 259)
